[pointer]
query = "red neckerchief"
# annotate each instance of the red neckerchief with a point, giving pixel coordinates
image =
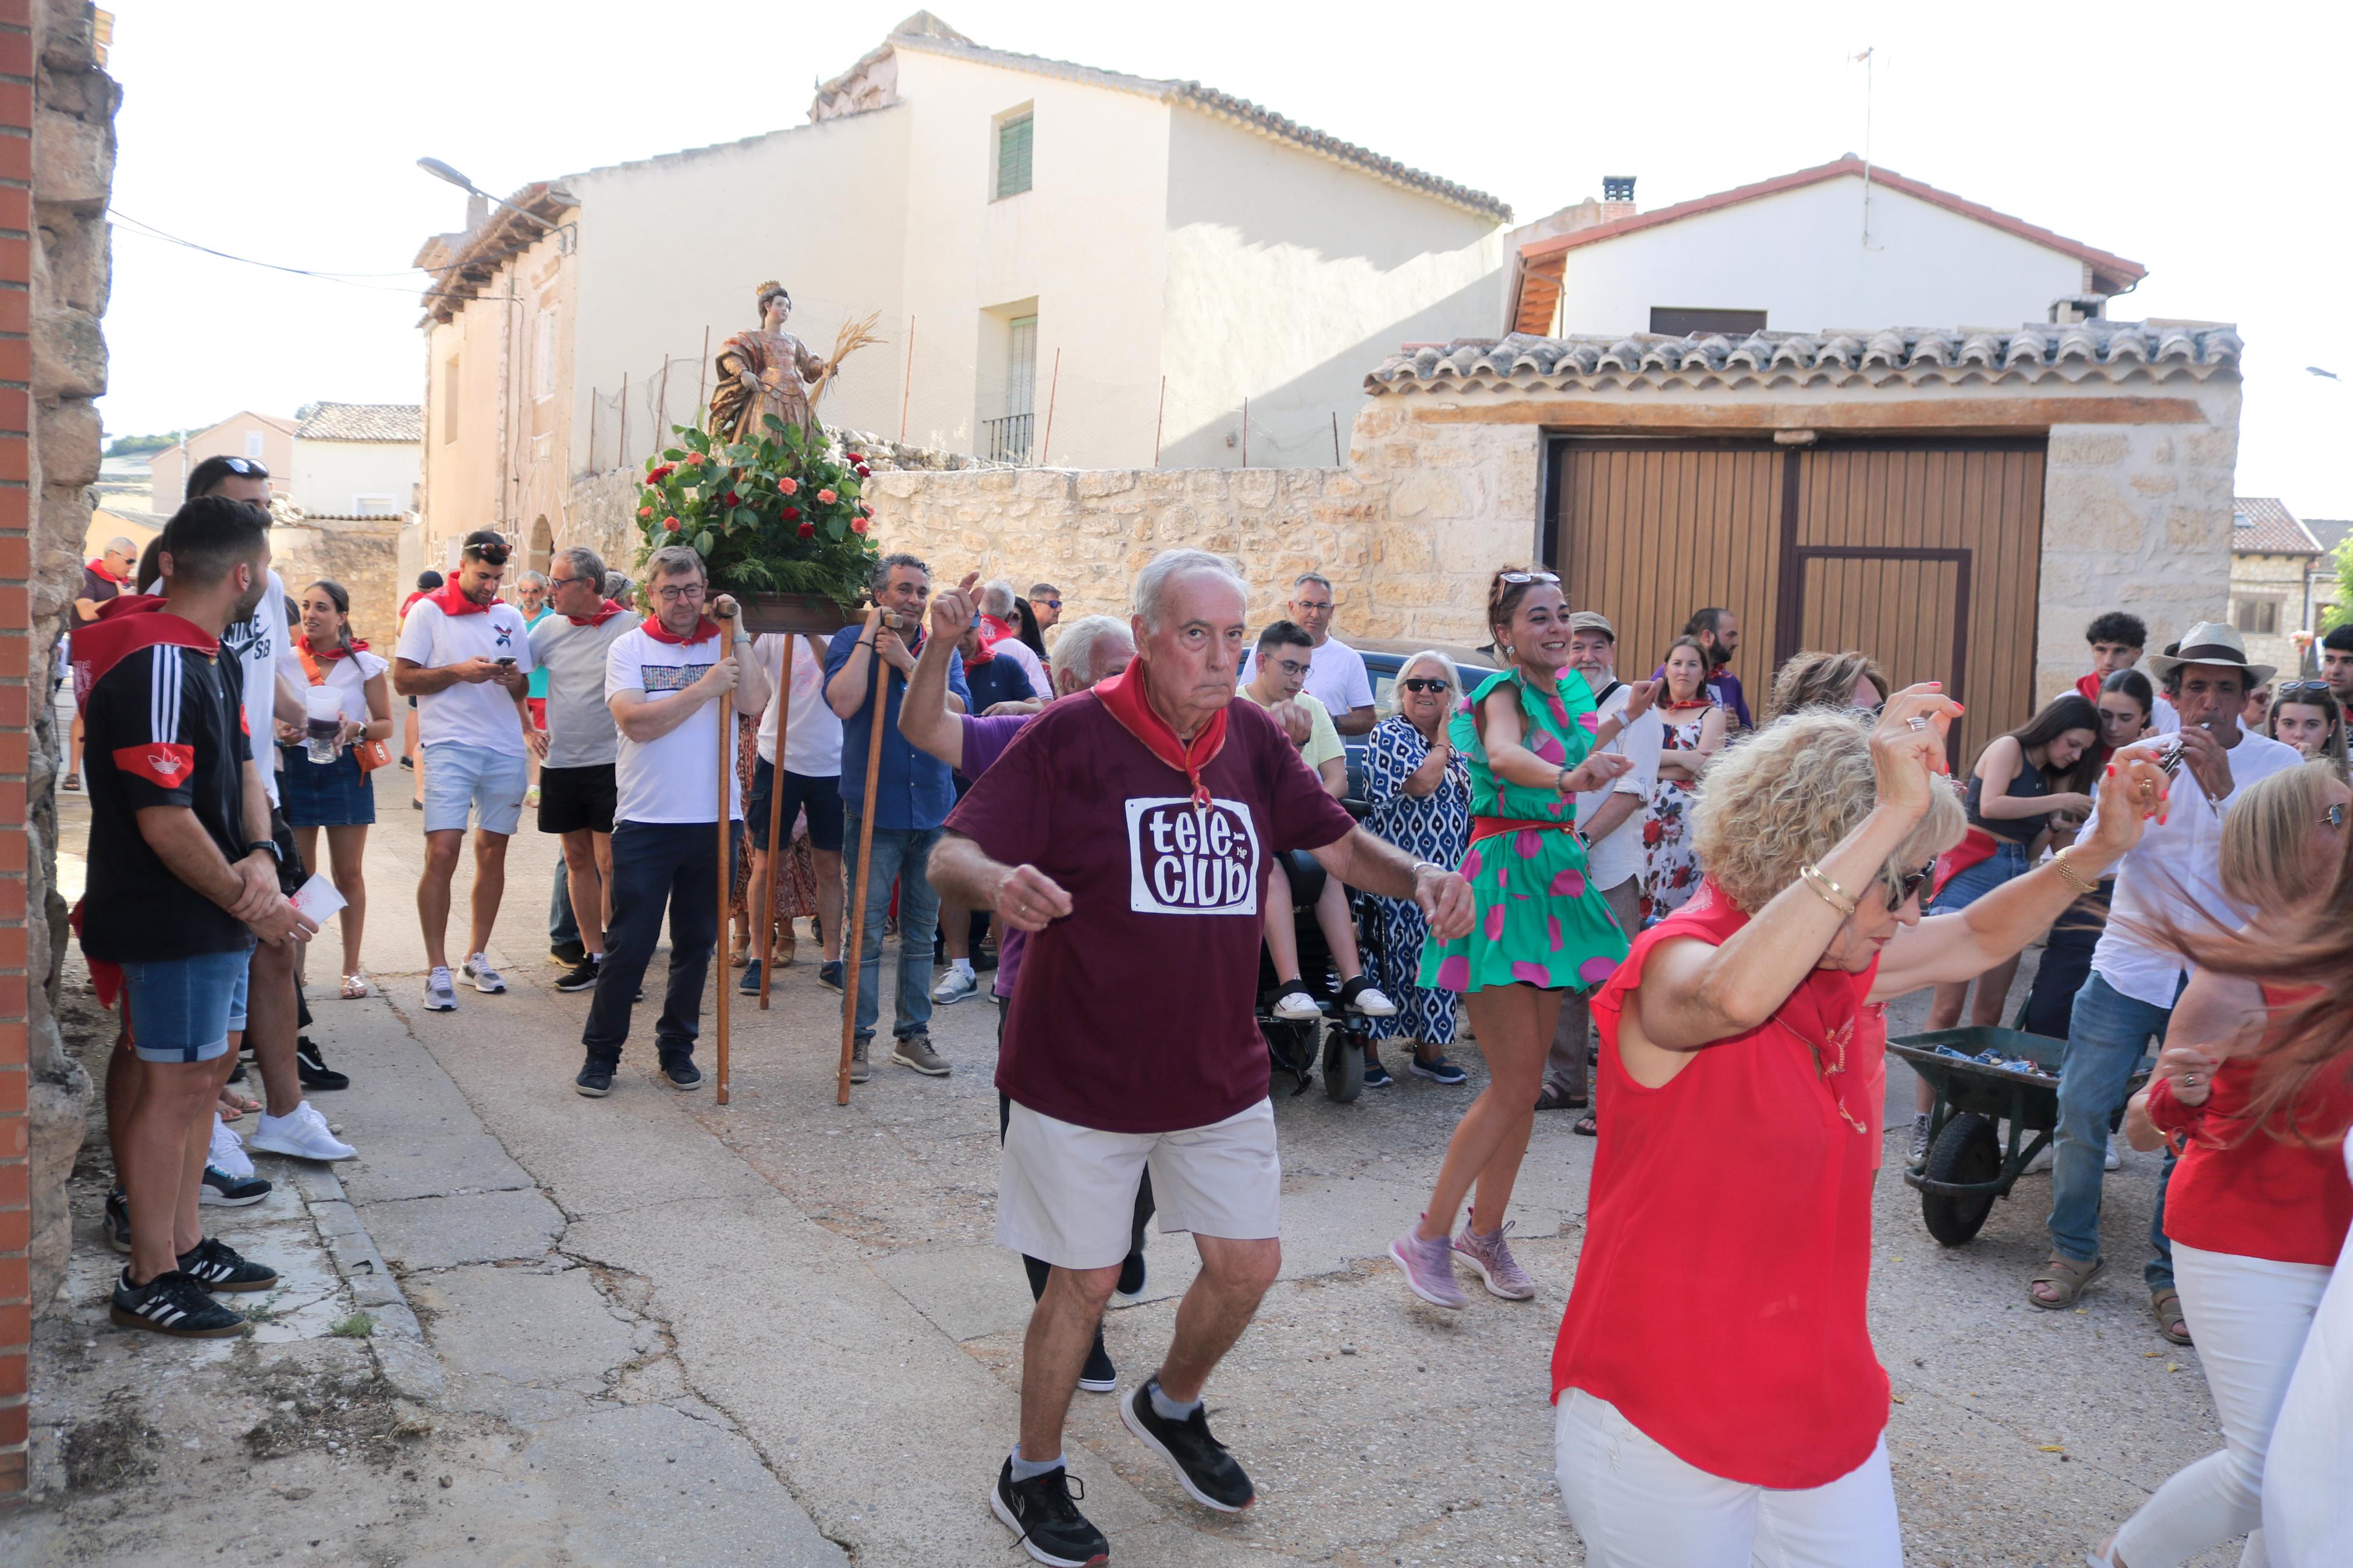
(605, 612)
(328, 655)
(983, 654)
(452, 601)
(125, 624)
(704, 627)
(1126, 696)
(103, 569)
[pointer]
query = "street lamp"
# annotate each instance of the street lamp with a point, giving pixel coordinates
(441, 171)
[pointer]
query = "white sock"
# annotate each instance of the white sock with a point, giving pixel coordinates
(961, 967)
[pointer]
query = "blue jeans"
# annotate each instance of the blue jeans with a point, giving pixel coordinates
(2108, 1035)
(901, 856)
(563, 925)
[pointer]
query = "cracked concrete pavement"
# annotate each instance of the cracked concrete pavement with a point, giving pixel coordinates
(780, 1327)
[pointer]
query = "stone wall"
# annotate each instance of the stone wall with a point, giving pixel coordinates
(57, 165)
(2285, 581)
(361, 553)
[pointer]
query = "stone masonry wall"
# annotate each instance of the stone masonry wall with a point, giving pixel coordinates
(2283, 579)
(362, 555)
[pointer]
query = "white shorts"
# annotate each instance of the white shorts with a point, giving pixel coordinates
(1066, 1194)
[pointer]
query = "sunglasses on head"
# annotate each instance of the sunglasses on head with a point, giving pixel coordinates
(244, 467)
(1899, 889)
(1528, 578)
(1423, 683)
(490, 555)
(2301, 689)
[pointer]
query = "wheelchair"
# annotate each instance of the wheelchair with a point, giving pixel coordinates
(1338, 1038)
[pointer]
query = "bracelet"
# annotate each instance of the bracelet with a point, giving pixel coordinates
(2074, 877)
(1830, 893)
(1560, 781)
(865, 645)
(1421, 865)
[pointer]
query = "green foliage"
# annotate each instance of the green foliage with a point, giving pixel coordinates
(139, 446)
(358, 1326)
(2342, 610)
(781, 515)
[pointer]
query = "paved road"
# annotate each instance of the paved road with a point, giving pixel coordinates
(819, 1283)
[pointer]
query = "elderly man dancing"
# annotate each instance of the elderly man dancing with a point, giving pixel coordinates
(1129, 829)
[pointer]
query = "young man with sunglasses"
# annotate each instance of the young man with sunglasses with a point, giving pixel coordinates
(465, 656)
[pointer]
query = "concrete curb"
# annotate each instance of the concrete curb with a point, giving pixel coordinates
(398, 1344)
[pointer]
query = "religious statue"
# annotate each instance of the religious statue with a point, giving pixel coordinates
(767, 373)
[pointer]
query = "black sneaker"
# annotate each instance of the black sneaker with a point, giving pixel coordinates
(237, 1073)
(681, 1075)
(581, 977)
(172, 1303)
(1044, 1518)
(220, 1190)
(568, 953)
(829, 974)
(217, 1265)
(1099, 1377)
(118, 1221)
(1206, 1471)
(750, 983)
(596, 1080)
(312, 1069)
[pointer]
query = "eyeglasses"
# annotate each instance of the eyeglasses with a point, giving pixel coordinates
(1420, 684)
(1290, 666)
(683, 594)
(1045, 603)
(555, 583)
(244, 467)
(2334, 818)
(1528, 578)
(1899, 889)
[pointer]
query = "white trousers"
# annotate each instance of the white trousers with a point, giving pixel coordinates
(2249, 1316)
(1639, 1506)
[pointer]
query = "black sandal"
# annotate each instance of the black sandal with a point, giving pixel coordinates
(1586, 1127)
(1552, 1099)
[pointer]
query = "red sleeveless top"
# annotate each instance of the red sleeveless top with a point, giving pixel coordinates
(1719, 1302)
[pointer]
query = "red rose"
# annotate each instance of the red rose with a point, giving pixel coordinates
(864, 472)
(731, 498)
(852, 457)
(694, 460)
(828, 497)
(791, 487)
(857, 525)
(670, 524)
(791, 513)
(658, 475)
(644, 512)
(807, 530)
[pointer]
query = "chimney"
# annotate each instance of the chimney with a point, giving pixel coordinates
(2072, 308)
(1616, 197)
(478, 212)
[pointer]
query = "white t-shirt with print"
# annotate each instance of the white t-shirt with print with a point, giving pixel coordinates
(465, 714)
(813, 732)
(676, 777)
(263, 643)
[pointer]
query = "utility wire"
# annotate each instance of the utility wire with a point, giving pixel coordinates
(153, 232)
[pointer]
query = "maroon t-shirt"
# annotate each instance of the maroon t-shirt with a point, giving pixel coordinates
(1135, 1011)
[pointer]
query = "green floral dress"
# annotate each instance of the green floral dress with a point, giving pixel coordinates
(1538, 923)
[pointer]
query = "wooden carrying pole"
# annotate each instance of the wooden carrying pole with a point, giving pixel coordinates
(726, 859)
(851, 956)
(765, 922)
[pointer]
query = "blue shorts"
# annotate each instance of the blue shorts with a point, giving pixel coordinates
(459, 777)
(2007, 861)
(182, 1009)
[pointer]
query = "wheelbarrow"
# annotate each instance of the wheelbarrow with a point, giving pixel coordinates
(1969, 1164)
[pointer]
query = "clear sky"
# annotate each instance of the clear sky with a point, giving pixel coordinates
(2207, 143)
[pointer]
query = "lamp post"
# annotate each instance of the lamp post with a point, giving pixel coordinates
(441, 171)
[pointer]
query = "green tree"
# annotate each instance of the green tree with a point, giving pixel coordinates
(2342, 610)
(139, 446)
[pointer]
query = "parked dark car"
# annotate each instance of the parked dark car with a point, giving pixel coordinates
(1384, 656)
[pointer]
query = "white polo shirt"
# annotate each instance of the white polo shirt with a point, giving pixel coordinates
(465, 714)
(813, 732)
(674, 778)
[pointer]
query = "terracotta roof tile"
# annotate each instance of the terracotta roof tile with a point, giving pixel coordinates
(361, 422)
(2261, 525)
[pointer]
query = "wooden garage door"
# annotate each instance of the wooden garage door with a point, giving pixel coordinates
(1925, 555)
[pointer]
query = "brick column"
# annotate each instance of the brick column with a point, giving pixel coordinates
(18, 688)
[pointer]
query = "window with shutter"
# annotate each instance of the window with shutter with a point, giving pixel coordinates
(1013, 156)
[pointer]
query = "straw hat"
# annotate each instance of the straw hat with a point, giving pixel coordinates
(2212, 642)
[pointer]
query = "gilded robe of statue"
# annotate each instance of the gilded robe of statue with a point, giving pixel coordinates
(785, 369)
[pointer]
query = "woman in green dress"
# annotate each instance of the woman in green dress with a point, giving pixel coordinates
(1530, 735)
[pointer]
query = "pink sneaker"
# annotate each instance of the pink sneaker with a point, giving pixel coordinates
(1492, 1256)
(1429, 1271)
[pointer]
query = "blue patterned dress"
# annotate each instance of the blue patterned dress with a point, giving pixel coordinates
(1434, 827)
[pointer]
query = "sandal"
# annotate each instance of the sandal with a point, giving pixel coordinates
(233, 1105)
(1552, 1099)
(1586, 1127)
(354, 987)
(73, 781)
(2066, 1275)
(2167, 1306)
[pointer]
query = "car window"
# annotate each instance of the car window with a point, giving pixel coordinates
(1384, 676)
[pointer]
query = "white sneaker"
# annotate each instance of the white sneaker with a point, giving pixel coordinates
(955, 986)
(486, 979)
(440, 995)
(229, 1151)
(304, 1135)
(1373, 1004)
(2115, 1160)
(1296, 1008)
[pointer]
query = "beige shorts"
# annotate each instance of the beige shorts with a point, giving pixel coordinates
(1066, 1194)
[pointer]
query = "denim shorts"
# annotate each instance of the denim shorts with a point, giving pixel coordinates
(458, 777)
(2007, 861)
(182, 1009)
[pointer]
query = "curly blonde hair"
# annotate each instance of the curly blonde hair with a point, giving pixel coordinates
(1789, 794)
(2271, 856)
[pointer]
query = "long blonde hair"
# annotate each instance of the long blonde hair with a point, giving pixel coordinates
(2267, 840)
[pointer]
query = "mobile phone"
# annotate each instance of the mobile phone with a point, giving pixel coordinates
(506, 661)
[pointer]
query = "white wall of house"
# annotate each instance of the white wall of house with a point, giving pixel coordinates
(1800, 256)
(346, 479)
(1289, 276)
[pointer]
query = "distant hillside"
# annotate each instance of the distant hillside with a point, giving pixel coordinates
(139, 446)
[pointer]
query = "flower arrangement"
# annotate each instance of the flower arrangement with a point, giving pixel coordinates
(779, 515)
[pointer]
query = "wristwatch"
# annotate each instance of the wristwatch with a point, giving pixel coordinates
(270, 845)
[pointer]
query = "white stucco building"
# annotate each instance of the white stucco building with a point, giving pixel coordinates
(356, 459)
(1840, 245)
(1071, 265)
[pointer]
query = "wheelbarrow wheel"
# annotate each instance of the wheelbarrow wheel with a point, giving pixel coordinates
(1343, 1067)
(1966, 1150)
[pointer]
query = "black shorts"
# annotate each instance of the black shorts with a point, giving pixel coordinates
(821, 798)
(291, 873)
(572, 798)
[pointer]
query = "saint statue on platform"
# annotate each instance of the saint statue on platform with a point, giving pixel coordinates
(766, 372)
